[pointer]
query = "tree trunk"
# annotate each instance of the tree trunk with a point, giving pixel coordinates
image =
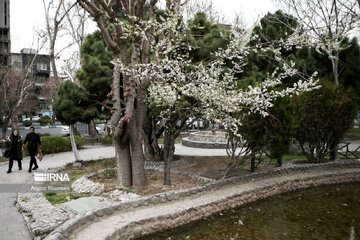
(123, 161)
(148, 139)
(279, 161)
(73, 145)
(137, 135)
(335, 68)
(15, 121)
(3, 130)
(158, 152)
(4, 127)
(151, 145)
(119, 129)
(92, 129)
(76, 132)
(333, 151)
(168, 155)
(52, 62)
(252, 169)
(137, 159)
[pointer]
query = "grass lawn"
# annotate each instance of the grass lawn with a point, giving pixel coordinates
(75, 173)
(354, 130)
(353, 134)
(288, 158)
(56, 198)
(88, 167)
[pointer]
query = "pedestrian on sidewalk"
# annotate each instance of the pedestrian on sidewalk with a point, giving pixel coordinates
(34, 143)
(14, 144)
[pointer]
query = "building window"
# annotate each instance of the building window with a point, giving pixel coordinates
(42, 104)
(5, 9)
(41, 67)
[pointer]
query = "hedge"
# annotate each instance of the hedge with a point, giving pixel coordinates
(107, 140)
(45, 120)
(27, 123)
(56, 144)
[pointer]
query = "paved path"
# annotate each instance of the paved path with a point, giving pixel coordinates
(189, 151)
(177, 212)
(12, 224)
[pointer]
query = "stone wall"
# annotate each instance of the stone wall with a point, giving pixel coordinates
(199, 140)
(208, 137)
(297, 177)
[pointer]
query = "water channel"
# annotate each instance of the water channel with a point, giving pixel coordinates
(329, 212)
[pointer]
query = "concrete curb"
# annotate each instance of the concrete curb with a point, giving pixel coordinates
(197, 144)
(344, 171)
(22, 213)
(36, 127)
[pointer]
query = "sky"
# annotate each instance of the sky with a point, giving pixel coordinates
(252, 10)
(27, 18)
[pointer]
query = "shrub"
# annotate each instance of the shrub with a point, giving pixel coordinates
(91, 140)
(271, 134)
(43, 134)
(45, 120)
(323, 117)
(78, 140)
(27, 123)
(106, 140)
(56, 144)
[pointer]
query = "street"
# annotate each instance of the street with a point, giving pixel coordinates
(51, 130)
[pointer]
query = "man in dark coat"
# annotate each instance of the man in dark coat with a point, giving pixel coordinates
(34, 142)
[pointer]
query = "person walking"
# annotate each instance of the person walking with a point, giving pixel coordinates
(34, 142)
(14, 144)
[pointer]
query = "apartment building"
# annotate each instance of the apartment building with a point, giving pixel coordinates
(4, 32)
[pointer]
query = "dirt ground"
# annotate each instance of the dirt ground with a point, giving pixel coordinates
(209, 167)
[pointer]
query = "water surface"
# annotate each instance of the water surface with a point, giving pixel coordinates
(330, 212)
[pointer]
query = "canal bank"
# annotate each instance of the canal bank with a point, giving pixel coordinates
(169, 210)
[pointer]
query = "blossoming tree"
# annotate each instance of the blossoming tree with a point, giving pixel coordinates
(152, 65)
(327, 23)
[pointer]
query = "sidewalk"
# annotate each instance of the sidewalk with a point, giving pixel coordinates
(12, 224)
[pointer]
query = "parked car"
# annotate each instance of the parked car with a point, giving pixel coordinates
(65, 130)
(34, 118)
(197, 124)
(100, 131)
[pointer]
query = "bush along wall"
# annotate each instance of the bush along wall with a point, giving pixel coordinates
(56, 144)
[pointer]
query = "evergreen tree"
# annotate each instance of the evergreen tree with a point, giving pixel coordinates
(349, 66)
(72, 104)
(95, 75)
(87, 101)
(323, 116)
(206, 38)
